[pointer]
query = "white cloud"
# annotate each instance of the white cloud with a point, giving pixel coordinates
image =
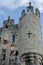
(6, 3)
(13, 4)
(40, 1)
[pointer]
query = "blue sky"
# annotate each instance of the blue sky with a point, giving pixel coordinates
(13, 8)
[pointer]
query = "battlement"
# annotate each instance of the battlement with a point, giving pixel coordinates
(8, 22)
(30, 9)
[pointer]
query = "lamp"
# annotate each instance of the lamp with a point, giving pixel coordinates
(5, 42)
(5, 39)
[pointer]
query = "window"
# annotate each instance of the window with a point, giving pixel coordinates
(11, 53)
(4, 56)
(17, 53)
(3, 53)
(27, 62)
(6, 26)
(0, 39)
(13, 39)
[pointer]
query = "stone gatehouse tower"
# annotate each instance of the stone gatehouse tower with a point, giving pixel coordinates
(21, 44)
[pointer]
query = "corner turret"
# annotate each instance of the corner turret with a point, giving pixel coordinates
(30, 10)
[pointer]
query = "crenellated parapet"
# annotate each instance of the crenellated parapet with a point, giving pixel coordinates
(37, 12)
(23, 13)
(30, 9)
(8, 23)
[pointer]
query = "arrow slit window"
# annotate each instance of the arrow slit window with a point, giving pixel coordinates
(13, 38)
(0, 39)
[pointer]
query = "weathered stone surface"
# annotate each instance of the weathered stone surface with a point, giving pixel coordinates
(28, 40)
